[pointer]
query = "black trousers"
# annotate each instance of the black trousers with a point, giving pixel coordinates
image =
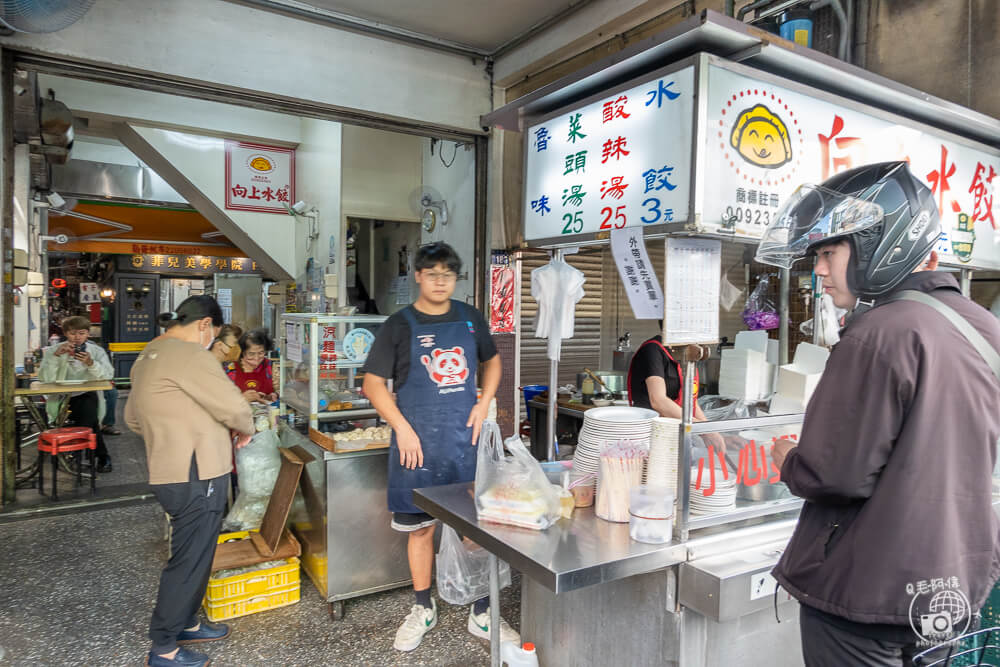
(83, 411)
(196, 508)
(835, 642)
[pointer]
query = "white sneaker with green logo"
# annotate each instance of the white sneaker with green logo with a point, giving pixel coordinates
(479, 626)
(418, 623)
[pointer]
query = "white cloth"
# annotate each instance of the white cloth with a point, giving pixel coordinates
(557, 287)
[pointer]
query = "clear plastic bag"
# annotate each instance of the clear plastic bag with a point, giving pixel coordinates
(257, 465)
(758, 312)
(463, 573)
(512, 489)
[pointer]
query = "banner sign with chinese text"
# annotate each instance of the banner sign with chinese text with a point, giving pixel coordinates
(637, 273)
(765, 140)
(622, 161)
(187, 264)
(259, 178)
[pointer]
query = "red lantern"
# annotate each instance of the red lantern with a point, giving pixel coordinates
(58, 283)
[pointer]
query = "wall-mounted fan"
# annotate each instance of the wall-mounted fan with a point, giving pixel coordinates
(35, 16)
(430, 206)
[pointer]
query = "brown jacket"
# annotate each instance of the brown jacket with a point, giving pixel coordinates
(181, 402)
(895, 463)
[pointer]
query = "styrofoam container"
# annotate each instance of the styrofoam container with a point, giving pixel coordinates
(783, 405)
(740, 373)
(798, 380)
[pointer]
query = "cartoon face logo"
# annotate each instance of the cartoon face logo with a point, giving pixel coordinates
(252, 384)
(446, 367)
(761, 138)
(260, 164)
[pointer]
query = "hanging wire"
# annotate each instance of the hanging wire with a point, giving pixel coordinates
(453, 156)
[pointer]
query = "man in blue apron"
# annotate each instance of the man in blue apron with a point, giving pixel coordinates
(431, 350)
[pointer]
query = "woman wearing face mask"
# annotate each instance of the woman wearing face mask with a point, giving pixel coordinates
(252, 371)
(226, 346)
(189, 414)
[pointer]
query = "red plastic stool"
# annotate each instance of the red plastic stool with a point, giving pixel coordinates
(57, 441)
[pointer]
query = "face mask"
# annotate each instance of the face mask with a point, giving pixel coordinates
(201, 341)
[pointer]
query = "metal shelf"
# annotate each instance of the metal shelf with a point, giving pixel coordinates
(745, 509)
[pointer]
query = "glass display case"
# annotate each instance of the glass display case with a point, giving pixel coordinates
(726, 474)
(320, 359)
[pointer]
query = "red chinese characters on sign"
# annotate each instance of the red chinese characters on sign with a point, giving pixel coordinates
(614, 148)
(755, 466)
(615, 109)
(329, 333)
(501, 298)
(259, 178)
(982, 190)
(846, 146)
(615, 189)
(939, 179)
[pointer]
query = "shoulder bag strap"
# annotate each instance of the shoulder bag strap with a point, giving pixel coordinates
(982, 346)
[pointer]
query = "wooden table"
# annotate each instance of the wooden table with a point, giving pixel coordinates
(50, 389)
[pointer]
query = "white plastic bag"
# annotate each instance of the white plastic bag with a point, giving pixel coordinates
(257, 465)
(512, 489)
(463, 573)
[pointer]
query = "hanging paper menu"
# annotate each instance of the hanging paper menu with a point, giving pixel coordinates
(637, 274)
(692, 291)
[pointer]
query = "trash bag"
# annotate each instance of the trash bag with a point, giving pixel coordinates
(512, 489)
(758, 312)
(463, 573)
(257, 465)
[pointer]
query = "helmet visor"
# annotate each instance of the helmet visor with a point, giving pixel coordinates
(811, 216)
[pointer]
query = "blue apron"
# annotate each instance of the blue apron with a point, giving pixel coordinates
(439, 393)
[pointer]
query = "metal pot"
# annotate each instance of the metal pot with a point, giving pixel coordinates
(615, 380)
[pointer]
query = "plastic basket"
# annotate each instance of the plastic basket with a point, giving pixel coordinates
(251, 604)
(253, 583)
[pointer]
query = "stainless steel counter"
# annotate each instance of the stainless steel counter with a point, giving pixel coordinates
(573, 553)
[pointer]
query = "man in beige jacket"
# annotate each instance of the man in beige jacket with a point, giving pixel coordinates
(186, 410)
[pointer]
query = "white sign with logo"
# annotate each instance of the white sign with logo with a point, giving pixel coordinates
(765, 140)
(637, 273)
(259, 178)
(622, 161)
(89, 293)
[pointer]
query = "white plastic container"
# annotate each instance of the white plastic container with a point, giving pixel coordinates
(518, 656)
(651, 514)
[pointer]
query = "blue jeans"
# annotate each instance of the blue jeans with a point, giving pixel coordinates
(110, 404)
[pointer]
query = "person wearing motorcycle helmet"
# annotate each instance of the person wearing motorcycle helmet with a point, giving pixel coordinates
(899, 439)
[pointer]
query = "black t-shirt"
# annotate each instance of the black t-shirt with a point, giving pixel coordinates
(650, 361)
(390, 353)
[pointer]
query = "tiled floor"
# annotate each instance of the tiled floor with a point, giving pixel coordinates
(78, 590)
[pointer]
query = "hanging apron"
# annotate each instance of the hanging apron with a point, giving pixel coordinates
(680, 374)
(439, 393)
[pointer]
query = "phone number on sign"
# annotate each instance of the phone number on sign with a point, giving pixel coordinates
(616, 218)
(746, 215)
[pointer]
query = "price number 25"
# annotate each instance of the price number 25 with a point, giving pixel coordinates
(619, 215)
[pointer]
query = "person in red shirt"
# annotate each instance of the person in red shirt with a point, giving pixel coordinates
(252, 371)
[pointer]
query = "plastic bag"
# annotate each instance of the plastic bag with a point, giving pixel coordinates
(758, 312)
(512, 489)
(463, 572)
(257, 465)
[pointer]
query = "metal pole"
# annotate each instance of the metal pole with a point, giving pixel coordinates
(965, 280)
(684, 451)
(551, 415)
(494, 566)
(783, 301)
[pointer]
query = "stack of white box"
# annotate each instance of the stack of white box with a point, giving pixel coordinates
(796, 381)
(746, 372)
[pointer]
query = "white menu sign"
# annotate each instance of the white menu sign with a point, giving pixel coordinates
(637, 273)
(765, 140)
(622, 161)
(692, 291)
(259, 178)
(89, 293)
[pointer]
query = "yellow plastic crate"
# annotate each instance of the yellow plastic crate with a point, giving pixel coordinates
(253, 583)
(251, 604)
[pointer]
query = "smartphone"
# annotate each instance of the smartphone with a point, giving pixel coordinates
(79, 349)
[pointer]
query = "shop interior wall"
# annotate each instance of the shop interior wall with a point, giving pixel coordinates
(27, 335)
(237, 47)
(318, 183)
(449, 168)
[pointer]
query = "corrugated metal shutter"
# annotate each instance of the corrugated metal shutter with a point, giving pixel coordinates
(584, 349)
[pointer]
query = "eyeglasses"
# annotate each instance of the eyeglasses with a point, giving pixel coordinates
(435, 277)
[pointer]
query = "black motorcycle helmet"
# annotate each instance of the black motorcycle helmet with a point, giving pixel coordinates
(888, 216)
